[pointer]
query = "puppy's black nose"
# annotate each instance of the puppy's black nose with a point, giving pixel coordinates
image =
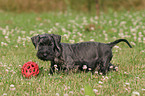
(44, 54)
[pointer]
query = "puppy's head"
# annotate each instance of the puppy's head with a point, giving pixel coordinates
(48, 46)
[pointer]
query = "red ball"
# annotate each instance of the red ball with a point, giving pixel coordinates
(30, 69)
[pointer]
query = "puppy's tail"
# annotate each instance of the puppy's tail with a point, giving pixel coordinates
(112, 44)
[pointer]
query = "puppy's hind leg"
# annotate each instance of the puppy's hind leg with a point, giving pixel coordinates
(104, 65)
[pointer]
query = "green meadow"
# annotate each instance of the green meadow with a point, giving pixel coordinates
(16, 49)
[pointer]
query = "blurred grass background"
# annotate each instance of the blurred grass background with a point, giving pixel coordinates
(73, 5)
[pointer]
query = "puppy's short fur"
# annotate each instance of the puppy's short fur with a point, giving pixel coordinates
(69, 56)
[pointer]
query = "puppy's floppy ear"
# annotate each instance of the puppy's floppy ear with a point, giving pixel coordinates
(35, 40)
(57, 39)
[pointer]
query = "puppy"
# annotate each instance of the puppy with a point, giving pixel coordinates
(67, 56)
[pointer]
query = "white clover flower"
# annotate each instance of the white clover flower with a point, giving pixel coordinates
(143, 51)
(106, 77)
(116, 68)
(70, 92)
(125, 73)
(82, 89)
(139, 39)
(106, 38)
(7, 70)
(96, 17)
(100, 82)
(4, 94)
(101, 73)
(132, 43)
(127, 84)
(96, 72)
(143, 89)
(95, 90)
(6, 37)
(135, 93)
(79, 34)
(12, 89)
(23, 32)
(65, 94)
(123, 23)
(143, 39)
(111, 67)
(72, 41)
(135, 38)
(84, 67)
(55, 66)
(57, 94)
(16, 46)
(11, 85)
(89, 69)
(56, 24)
(92, 28)
(66, 36)
(2, 43)
(92, 40)
(116, 46)
(126, 89)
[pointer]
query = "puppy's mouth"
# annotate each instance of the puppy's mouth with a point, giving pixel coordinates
(45, 58)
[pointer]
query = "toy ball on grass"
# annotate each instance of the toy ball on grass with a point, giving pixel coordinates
(30, 69)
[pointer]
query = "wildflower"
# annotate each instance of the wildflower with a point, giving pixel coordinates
(6, 37)
(82, 91)
(96, 17)
(84, 67)
(12, 87)
(135, 38)
(126, 89)
(89, 69)
(132, 43)
(135, 93)
(111, 67)
(143, 39)
(116, 68)
(139, 39)
(55, 66)
(7, 70)
(72, 41)
(101, 73)
(96, 72)
(65, 94)
(127, 84)
(125, 73)
(70, 92)
(143, 89)
(16, 46)
(116, 46)
(56, 24)
(4, 94)
(57, 94)
(95, 90)
(100, 86)
(100, 82)
(92, 40)
(92, 28)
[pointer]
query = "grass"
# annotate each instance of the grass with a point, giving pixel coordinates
(16, 49)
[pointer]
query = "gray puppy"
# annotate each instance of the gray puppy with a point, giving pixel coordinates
(70, 56)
